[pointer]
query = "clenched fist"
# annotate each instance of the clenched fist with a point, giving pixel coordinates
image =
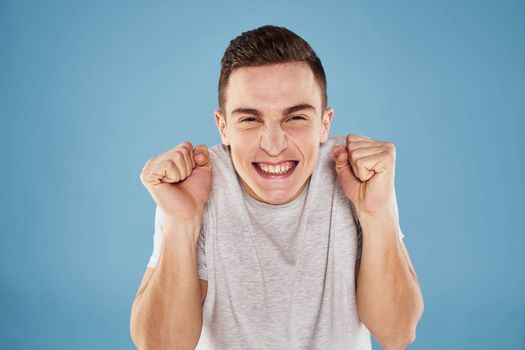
(365, 169)
(179, 181)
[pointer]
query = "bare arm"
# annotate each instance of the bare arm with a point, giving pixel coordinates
(167, 311)
(389, 298)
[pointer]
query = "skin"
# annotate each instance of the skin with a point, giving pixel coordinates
(271, 135)
(389, 300)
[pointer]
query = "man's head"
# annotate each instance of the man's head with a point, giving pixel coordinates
(272, 109)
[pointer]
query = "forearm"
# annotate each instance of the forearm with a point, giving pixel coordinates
(389, 299)
(167, 313)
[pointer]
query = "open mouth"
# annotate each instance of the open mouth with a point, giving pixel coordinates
(276, 171)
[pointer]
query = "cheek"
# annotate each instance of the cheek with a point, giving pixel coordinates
(242, 146)
(242, 136)
(310, 151)
(303, 129)
(240, 162)
(296, 133)
(305, 139)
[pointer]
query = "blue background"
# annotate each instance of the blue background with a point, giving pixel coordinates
(91, 90)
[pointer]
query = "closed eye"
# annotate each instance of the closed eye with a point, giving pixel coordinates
(249, 119)
(254, 119)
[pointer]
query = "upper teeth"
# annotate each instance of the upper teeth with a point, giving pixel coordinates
(276, 169)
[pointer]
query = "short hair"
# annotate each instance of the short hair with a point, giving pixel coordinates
(268, 45)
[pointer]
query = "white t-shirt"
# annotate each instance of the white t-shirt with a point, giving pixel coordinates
(279, 276)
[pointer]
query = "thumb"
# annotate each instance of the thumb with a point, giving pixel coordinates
(201, 156)
(349, 182)
(340, 155)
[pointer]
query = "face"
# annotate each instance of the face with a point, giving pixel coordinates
(274, 126)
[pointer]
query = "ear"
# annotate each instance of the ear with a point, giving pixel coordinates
(328, 115)
(220, 120)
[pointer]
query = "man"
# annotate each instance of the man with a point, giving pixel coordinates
(283, 236)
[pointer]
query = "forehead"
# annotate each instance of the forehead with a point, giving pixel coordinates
(273, 87)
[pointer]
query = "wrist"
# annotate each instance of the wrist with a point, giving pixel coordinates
(176, 231)
(380, 221)
(183, 222)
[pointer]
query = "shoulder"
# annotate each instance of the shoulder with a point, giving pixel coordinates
(221, 161)
(224, 178)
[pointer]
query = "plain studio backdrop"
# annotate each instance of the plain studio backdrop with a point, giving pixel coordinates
(91, 90)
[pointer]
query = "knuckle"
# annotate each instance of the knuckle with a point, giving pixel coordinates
(391, 155)
(186, 145)
(167, 164)
(389, 145)
(170, 163)
(352, 155)
(187, 154)
(184, 151)
(145, 169)
(391, 149)
(178, 156)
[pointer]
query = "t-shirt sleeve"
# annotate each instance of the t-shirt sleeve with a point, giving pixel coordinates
(157, 245)
(360, 232)
(157, 239)
(202, 269)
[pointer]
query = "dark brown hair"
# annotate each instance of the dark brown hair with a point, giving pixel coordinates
(264, 46)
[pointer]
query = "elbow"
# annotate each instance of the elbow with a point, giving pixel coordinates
(410, 339)
(137, 340)
(137, 337)
(400, 342)
(140, 335)
(402, 335)
(143, 341)
(148, 335)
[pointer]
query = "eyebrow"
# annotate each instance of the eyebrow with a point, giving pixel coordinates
(285, 111)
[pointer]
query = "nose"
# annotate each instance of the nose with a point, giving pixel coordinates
(274, 140)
